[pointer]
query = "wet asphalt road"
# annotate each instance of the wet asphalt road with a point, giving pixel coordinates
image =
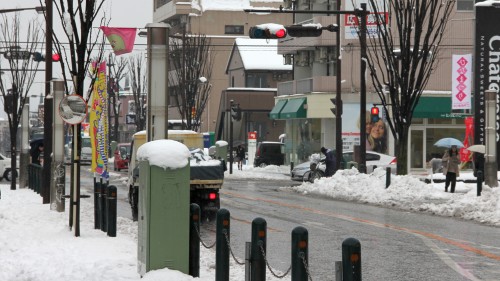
(395, 245)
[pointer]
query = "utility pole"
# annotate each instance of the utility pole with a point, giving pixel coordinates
(47, 106)
(338, 98)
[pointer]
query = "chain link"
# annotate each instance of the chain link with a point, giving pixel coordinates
(303, 257)
(230, 249)
(201, 240)
(269, 267)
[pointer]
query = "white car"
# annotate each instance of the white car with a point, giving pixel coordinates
(5, 167)
(373, 160)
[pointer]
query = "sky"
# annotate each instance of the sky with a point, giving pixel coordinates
(37, 244)
(121, 13)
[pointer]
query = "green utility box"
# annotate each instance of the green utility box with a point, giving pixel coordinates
(163, 218)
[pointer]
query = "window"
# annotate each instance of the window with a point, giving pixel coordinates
(234, 29)
(257, 80)
(465, 5)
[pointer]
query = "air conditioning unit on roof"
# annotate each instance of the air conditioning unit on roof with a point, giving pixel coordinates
(288, 59)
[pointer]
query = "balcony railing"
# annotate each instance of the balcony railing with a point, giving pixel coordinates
(318, 84)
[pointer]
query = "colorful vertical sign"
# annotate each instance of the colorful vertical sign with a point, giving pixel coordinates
(461, 78)
(486, 67)
(99, 122)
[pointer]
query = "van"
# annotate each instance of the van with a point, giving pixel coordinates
(86, 152)
(121, 152)
(269, 153)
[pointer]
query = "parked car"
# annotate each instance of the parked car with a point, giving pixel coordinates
(269, 153)
(373, 160)
(121, 160)
(5, 168)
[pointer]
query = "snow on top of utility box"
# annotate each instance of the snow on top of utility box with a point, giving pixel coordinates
(164, 154)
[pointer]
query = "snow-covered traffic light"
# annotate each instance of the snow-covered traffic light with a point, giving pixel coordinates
(267, 31)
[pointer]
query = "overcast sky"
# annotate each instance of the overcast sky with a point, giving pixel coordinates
(123, 13)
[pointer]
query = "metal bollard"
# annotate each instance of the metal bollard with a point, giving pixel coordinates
(111, 210)
(194, 240)
(291, 166)
(259, 237)
(300, 253)
(222, 246)
(97, 206)
(104, 223)
(362, 168)
(387, 177)
(351, 260)
(479, 182)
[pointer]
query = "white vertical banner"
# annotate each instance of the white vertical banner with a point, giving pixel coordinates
(461, 76)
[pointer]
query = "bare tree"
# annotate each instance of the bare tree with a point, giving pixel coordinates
(17, 81)
(191, 61)
(402, 57)
(117, 71)
(138, 77)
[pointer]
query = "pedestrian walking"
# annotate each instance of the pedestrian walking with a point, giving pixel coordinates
(330, 162)
(240, 156)
(451, 168)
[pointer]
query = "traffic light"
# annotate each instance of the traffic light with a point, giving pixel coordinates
(374, 114)
(337, 112)
(310, 30)
(56, 57)
(37, 56)
(236, 112)
(267, 31)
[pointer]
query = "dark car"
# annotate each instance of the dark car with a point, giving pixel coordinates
(269, 153)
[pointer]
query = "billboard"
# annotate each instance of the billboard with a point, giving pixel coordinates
(486, 68)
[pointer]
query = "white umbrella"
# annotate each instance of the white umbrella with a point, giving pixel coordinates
(479, 148)
(448, 142)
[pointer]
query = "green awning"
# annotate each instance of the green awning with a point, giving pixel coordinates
(436, 107)
(275, 113)
(294, 109)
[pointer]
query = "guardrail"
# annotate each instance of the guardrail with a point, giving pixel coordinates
(35, 177)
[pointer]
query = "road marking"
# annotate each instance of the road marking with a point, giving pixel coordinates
(425, 236)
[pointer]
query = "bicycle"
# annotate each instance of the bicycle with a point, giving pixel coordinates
(313, 174)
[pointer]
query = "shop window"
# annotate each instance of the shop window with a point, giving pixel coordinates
(440, 121)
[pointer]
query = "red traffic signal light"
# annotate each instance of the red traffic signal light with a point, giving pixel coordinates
(375, 114)
(267, 31)
(56, 57)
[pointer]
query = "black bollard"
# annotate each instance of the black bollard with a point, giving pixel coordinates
(111, 197)
(259, 237)
(104, 223)
(194, 240)
(387, 177)
(221, 246)
(291, 166)
(351, 260)
(479, 182)
(300, 253)
(97, 205)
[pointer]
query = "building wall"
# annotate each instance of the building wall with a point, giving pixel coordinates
(212, 24)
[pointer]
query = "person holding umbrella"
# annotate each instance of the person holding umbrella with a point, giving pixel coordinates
(451, 168)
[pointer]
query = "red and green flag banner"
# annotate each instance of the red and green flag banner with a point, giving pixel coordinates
(121, 38)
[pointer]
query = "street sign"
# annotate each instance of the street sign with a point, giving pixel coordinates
(17, 55)
(130, 119)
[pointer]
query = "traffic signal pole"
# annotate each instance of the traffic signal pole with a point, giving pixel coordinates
(362, 13)
(47, 106)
